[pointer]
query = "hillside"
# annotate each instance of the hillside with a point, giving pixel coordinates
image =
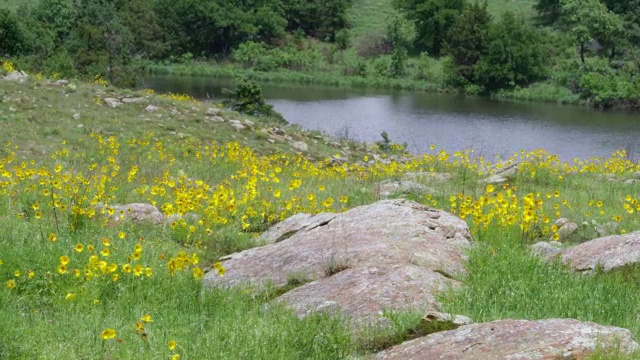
(83, 278)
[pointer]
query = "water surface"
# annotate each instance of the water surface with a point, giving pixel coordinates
(453, 123)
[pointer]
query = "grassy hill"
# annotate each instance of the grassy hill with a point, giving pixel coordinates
(367, 16)
(77, 285)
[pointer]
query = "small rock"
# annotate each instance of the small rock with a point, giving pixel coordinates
(133, 100)
(567, 230)
(391, 187)
(151, 108)
(545, 249)
(60, 82)
(455, 320)
(237, 126)
(137, 212)
(427, 176)
(112, 102)
(300, 146)
(212, 111)
(18, 76)
(607, 229)
(216, 119)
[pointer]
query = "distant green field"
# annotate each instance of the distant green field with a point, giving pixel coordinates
(368, 16)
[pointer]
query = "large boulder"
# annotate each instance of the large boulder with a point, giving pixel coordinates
(393, 254)
(609, 253)
(515, 339)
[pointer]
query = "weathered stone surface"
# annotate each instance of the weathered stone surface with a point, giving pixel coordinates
(112, 102)
(427, 177)
(607, 229)
(501, 172)
(298, 222)
(362, 292)
(137, 212)
(546, 249)
(217, 119)
(566, 228)
(61, 82)
(19, 76)
(151, 108)
(610, 252)
(455, 320)
(300, 146)
(515, 340)
(393, 253)
(212, 111)
(237, 125)
(133, 100)
(392, 187)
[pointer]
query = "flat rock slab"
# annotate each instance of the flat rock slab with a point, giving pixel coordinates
(609, 252)
(515, 339)
(393, 252)
(361, 293)
(298, 222)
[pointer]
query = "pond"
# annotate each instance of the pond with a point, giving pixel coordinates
(452, 123)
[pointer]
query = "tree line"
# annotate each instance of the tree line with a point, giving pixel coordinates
(590, 47)
(89, 36)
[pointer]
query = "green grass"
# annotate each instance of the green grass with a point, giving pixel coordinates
(522, 7)
(369, 16)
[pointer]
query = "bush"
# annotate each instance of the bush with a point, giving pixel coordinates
(247, 99)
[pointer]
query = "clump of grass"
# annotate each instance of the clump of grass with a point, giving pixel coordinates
(506, 282)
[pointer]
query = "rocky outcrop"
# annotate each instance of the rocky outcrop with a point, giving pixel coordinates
(393, 254)
(515, 339)
(609, 253)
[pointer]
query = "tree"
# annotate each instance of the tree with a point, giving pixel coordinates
(206, 27)
(515, 57)
(99, 42)
(589, 20)
(468, 40)
(432, 19)
(400, 34)
(322, 19)
(58, 16)
(549, 9)
(12, 34)
(247, 99)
